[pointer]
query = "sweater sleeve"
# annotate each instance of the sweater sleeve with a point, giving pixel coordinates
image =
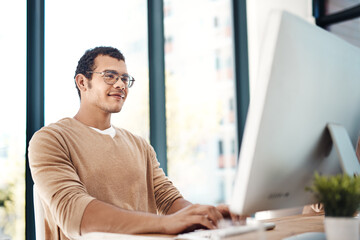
(165, 192)
(57, 181)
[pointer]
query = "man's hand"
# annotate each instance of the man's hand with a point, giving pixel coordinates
(225, 211)
(184, 216)
(190, 216)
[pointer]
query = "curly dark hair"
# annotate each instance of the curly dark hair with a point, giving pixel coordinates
(86, 62)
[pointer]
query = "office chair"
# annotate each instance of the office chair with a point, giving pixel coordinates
(39, 216)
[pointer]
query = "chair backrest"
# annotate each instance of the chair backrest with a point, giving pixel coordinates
(39, 216)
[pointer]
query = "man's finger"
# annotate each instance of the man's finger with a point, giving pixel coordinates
(203, 220)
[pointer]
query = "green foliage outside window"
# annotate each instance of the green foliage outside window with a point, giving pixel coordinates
(7, 207)
(5, 197)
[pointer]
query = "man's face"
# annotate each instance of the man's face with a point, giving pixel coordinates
(100, 95)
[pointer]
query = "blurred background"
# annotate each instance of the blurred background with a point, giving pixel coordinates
(202, 125)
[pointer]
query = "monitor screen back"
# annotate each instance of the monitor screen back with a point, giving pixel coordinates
(307, 78)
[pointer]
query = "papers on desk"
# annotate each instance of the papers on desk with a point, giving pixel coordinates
(116, 236)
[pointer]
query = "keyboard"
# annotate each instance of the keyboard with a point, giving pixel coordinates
(215, 234)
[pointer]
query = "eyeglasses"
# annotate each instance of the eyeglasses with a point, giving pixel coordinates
(111, 78)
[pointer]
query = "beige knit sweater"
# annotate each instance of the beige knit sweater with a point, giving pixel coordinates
(72, 164)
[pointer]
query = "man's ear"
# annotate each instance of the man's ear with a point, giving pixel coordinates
(81, 82)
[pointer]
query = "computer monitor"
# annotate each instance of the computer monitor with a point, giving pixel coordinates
(307, 79)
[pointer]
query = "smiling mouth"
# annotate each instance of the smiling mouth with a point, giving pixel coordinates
(117, 95)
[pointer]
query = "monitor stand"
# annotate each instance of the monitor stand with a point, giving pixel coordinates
(349, 164)
(342, 142)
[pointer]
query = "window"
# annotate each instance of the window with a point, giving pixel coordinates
(197, 96)
(199, 82)
(347, 30)
(333, 6)
(216, 22)
(88, 24)
(13, 120)
(221, 147)
(217, 62)
(339, 17)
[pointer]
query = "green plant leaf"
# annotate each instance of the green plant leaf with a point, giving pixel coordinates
(340, 194)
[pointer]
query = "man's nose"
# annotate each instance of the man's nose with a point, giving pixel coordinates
(119, 84)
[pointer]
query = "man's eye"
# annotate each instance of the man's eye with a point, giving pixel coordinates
(109, 75)
(125, 79)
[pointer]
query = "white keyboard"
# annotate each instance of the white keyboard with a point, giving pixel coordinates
(216, 234)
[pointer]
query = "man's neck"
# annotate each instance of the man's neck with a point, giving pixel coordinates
(98, 119)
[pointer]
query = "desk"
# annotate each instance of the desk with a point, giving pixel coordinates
(288, 226)
(285, 227)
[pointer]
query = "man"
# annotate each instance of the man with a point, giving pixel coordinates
(92, 176)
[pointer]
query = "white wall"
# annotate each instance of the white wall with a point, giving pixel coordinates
(257, 14)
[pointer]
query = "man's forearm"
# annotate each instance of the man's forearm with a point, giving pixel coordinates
(177, 205)
(103, 217)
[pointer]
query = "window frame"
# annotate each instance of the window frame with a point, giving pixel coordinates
(34, 98)
(323, 20)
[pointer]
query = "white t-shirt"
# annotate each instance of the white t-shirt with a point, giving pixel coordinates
(109, 131)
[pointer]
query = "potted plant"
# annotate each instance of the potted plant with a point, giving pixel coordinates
(340, 195)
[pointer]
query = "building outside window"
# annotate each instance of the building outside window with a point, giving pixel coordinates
(199, 85)
(13, 118)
